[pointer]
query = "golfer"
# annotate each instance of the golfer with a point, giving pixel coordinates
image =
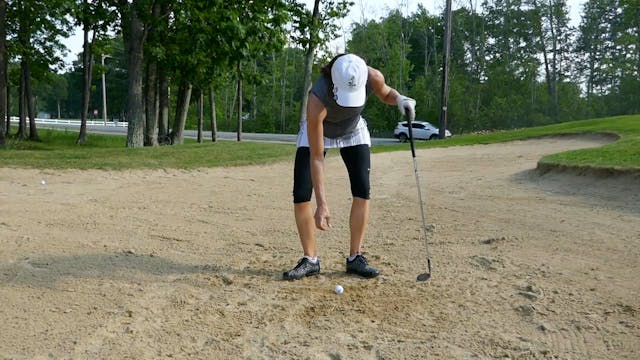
(334, 120)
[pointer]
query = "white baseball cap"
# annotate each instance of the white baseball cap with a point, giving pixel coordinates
(349, 74)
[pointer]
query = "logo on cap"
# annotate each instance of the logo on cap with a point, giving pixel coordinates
(352, 82)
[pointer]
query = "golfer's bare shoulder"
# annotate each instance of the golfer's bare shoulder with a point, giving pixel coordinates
(386, 94)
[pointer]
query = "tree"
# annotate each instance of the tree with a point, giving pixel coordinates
(134, 35)
(424, 43)
(3, 72)
(87, 67)
(207, 39)
(37, 43)
(381, 45)
(316, 29)
(51, 91)
(596, 45)
(152, 57)
(555, 37)
(608, 43)
(95, 18)
(512, 64)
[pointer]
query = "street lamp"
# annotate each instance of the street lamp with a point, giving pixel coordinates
(104, 91)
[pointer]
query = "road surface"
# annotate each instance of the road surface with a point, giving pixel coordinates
(221, 135)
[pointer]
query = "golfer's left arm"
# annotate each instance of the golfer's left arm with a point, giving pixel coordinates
(316, 113)
(389, 95)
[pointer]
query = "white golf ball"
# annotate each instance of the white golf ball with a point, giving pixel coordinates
(339, 289)
(43, 182)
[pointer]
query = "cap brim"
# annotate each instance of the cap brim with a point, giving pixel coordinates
(351, 99)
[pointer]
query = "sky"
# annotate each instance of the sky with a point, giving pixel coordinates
(361, 10)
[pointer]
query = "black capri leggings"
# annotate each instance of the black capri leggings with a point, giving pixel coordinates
(357, 160)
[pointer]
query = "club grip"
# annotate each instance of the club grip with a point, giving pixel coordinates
(410, 126)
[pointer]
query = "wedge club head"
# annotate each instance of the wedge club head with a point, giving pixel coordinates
(425, 276)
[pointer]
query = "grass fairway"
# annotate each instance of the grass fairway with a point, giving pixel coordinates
(623, 154)
(57, 150)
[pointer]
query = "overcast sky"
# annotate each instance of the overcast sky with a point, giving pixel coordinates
(374, 9)
(361, 10)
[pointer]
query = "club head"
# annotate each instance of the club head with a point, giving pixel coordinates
(424, 277)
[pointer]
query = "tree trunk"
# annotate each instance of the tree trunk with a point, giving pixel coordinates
(214, 125)
(28, 93)
(200, 114)
(134, 43)
(547, 69)
(226, 103)
(8, 125)
(283, 92)
(426, 54)
(163, 105)
(163, 80)
(309, 56)
(23, 41)
(151, 125)
(445, 72)
(28, 97)
(87, 72)
(151, 78)
(232, 106)
(22, 113)
(3, 76)
(239, 135)
(435, 59)
(638, 52)
(553, 79)
(182, 108)
(274, 87)
(254, 97)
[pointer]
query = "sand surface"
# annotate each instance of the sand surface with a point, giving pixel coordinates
(188, 264)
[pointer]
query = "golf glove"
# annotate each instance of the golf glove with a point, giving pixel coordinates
(407, 106)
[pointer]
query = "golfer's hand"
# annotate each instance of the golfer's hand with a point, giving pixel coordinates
(323, 218)
(407, 106)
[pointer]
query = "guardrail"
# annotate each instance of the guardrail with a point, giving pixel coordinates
(75, 122)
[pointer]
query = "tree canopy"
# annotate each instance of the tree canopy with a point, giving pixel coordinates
(513, 63)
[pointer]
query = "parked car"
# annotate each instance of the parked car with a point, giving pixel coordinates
(421, 130)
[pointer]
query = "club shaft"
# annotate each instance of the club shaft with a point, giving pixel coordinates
(415, 170)
(424, 222)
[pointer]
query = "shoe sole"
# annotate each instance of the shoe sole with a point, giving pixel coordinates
(298, 278)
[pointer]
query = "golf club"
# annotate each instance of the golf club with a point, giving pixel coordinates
(427, 275)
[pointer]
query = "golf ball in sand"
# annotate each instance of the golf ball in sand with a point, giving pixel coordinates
(338, 289)
(43, 182)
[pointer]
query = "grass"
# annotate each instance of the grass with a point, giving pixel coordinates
(57, 150)
(623, 154)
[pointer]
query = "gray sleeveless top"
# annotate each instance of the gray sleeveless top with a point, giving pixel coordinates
(340, 120)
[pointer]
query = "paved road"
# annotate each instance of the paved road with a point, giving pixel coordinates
(230, 136)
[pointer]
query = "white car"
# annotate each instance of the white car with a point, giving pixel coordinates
(421, 130)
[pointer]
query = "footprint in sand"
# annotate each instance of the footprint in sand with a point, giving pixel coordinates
(486, 263)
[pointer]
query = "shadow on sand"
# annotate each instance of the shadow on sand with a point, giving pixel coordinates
(46, 271)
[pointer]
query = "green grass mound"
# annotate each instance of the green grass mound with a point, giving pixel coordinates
(57, 150)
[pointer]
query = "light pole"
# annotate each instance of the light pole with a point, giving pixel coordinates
(104, 90)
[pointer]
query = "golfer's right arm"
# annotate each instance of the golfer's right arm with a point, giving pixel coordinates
(316, 112)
